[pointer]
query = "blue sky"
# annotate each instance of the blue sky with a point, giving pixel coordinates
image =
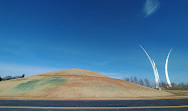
(38, 36)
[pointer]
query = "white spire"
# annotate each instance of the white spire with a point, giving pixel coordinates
(166, 69)
(154, 68)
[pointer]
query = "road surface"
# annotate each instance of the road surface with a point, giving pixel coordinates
(106, 105)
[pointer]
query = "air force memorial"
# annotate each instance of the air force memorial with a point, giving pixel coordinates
(156, 74)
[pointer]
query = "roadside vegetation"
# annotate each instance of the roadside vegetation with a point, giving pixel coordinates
(163, 85)
(178, 89)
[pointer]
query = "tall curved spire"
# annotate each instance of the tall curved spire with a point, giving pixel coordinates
(166, 69)
(154, 68)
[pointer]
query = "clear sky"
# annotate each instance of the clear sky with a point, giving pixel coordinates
(39, 36)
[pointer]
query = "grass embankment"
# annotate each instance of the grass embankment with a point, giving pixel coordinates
(178, 88)
(179, 91)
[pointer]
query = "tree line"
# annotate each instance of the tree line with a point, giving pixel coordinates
(147, 83)
(11, 77)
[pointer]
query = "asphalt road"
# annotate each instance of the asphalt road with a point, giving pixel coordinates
(107, 105)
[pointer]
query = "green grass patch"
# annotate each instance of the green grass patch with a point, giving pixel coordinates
(53, 80)
(30, 85)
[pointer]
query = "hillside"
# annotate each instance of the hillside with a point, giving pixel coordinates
(74, 84)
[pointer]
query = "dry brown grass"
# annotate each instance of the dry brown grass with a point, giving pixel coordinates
(178, 92)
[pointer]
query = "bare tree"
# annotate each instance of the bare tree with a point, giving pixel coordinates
(173, 84)
(163, 84)
(7, 78)
(131, 79)
(127, 79)
(11, 77)
(141, 82)
(181, 84)
(135, 80)
(147, 82)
